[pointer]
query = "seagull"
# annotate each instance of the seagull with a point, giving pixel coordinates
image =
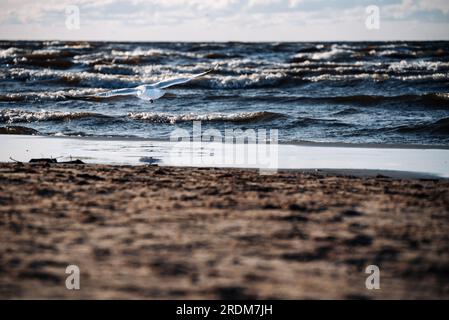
(153, 91)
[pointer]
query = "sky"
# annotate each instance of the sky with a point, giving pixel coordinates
(224, 20)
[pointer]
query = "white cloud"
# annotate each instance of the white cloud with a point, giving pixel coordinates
(409, 7)
(208, 20)
(440, 5)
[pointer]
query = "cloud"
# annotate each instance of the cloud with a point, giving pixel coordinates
(218, 19)
(439, 5)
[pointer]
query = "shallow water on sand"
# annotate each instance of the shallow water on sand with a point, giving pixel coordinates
(412, 162)
(377, 92)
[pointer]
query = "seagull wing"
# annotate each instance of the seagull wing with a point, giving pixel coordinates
(118, 92)
(150, 91)
(175, 81)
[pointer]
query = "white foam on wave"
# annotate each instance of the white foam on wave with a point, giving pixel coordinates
(391, 52)
(174, 118)
(119, 55)
(264, 78)
(377, 77)
(69, 76)
(77, 46)
(48, 95)
(443, 95)
(435, 76)
(244, 81)
(15, 115)
(10, 52)
(405, 65)
(334, 52)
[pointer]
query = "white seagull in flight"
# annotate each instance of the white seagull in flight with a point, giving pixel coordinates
(151, 92)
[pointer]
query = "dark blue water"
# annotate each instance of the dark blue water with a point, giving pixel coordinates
(384, 92)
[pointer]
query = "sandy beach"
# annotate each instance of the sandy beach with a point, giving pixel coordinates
(203, 233)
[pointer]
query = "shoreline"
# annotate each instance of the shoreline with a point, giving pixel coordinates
(153, 232)
(304, 143)
(370, 173)
(396, 161)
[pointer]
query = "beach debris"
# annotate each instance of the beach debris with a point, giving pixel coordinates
(53, 160)
(14, 160)
(77, 161)
(18, 130)
(159, 171)
(149, 160)
(43, 160)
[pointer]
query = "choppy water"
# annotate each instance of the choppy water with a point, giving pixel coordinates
(385, 92)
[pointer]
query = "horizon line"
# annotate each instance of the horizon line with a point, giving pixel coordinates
(227, 41)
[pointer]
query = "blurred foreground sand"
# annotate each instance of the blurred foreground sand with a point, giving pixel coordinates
(155, 232)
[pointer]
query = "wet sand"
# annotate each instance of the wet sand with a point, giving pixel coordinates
(421, 160)
(160, 232)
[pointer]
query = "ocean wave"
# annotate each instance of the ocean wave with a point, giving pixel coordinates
(439, 127)
(348, 91)
(115, 69)
(96, 79)
(244, 81)
(404, 65)
(395, 54)
(246, 117)
(10, 52)
(217, 55)
(17, 116)
(18, 130)
(315, 53)
(431, 99)
(48, 95)
(134, 57)
(77, 45)
(45, 58)
(206, 47)
(378, 77)
(254, 80)
(307, 121)
(346, 112)
(424, 77)
(226, 77)
(71, 77)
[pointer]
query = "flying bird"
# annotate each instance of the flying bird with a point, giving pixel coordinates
(151, 92)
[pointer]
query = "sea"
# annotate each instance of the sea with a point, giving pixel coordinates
(337, 92)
